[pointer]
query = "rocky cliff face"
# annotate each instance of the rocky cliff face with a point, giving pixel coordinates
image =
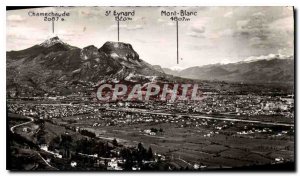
(120, 50)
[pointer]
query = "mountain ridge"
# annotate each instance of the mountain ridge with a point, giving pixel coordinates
(272, 70)
(57, 67)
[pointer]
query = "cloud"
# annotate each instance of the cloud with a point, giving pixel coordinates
(266, 31)
(140, 19)
(286, 51)
(256, 23)
(255, 41)
(283, 24)
(195, 34)
(241, 23)
(258, 15)
(198, 29)
(171, 23)
(88, 12)
(160, 20)
(256, 30)
(267, 57)
(138, 26)
(225, 33)
(228, 14)
(198, 26)
(21, 37)
(126, 27)
(15, 18)
(71, 33)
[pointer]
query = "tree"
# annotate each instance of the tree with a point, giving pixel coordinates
(115, 142)
(128, 165)
(88, 133)
(54, 143)
(154, 130)
(41, 140)
(140, 147)
(141, 154)
(66, 142)
(149, 154)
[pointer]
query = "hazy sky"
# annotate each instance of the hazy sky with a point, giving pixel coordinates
(215, 35)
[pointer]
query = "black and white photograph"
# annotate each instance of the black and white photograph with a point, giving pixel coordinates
(150, 88)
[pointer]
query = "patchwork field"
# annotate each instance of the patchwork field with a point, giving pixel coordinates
(206, 144)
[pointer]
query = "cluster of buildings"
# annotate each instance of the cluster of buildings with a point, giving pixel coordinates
(123, 113)
(240, 105)
(249, 105)
(48, 111)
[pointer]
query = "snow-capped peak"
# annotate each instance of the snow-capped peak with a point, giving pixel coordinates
(267, 57)
(51, 41)
(176, 68)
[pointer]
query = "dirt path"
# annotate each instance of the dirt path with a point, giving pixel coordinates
(25, 123)
(12, 129)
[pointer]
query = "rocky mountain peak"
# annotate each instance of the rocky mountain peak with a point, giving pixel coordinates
(90, 47)
(51, 41)
(120, 50)
(90, 51)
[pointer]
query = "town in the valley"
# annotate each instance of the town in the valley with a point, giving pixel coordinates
(221, 131)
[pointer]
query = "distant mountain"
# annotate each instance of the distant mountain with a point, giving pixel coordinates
(158, 68)
(56, 67)
(275, 70)
(171, 71)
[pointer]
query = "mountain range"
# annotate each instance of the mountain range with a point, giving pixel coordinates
(57, 68)
(274, 70)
